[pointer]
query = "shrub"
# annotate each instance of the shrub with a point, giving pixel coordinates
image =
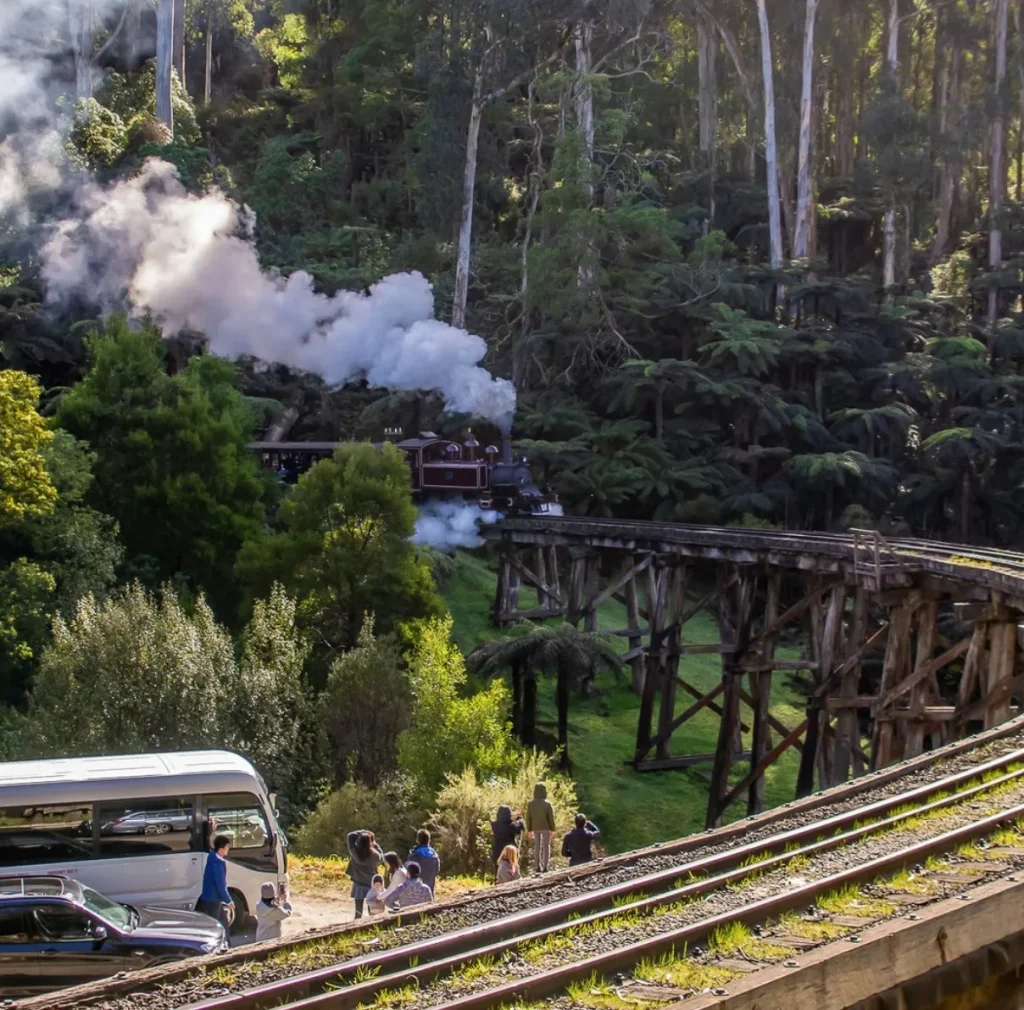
(387, 811)
(466, 806)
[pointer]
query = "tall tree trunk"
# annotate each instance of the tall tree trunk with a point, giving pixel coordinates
(804, 205)
(583, 99)
(950, 165)
(845, 56)
(520, 357)
(517, 700)
(707, 72)
(562, 698)
(208, 74)
(178, 45)
(476, 114)
(133, 31)
(529, 731)
(164, 39)
(771, 153)
(80, 22)
(997, 175)
(892, 66)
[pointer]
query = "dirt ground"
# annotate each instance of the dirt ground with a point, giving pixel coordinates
(308, 912)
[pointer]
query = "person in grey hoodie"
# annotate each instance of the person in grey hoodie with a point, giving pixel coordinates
(540, 824)
(365, 857)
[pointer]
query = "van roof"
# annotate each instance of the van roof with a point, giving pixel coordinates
(69, 780)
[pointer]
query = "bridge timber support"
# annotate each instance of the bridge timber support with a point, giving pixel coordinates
(897, 646)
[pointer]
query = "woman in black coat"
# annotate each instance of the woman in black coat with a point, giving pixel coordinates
(506, 831)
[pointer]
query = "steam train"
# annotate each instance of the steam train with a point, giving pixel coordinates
(439, 469)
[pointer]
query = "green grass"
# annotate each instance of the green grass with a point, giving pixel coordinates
(683, 972)
(631, 809)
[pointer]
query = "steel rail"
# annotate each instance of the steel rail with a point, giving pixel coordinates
(454, 949)
(555, 980)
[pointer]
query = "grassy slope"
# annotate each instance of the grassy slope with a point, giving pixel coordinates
(631, 809)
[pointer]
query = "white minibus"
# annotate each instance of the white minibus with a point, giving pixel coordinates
(137, 827)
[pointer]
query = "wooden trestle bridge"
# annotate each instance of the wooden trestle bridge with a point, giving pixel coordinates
(907, 643)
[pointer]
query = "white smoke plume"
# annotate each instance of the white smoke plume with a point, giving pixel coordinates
(449, 525)
(188, 262)
(146, 246)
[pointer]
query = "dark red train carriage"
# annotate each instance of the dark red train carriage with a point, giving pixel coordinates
(439, 468)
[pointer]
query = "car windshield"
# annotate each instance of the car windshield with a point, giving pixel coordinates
(118, 915)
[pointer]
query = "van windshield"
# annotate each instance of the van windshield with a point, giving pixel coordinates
(115, 914)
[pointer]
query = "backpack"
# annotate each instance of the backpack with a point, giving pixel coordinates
(566, 848)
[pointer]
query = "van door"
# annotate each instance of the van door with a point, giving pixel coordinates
(148, 852)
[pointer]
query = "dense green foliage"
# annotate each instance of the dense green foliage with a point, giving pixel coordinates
(615, 253)
(171, 464)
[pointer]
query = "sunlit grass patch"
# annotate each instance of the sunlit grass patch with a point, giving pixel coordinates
(596, 992)
(473, 970)
(906, 882)
(850, 900)
(683, 972)
(792, 924)
(735, 938)
(537, 950)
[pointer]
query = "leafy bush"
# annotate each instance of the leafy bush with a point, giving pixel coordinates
(450, 732)
(389, 812)
(98, 137)
(465, 807)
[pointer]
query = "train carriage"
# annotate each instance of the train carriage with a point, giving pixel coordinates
(439, 469)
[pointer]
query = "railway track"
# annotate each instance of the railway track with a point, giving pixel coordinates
(677, 907)
(971, 562)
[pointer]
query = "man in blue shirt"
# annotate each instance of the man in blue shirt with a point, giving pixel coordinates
(215, 900)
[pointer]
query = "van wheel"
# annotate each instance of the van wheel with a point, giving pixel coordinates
(241, 921)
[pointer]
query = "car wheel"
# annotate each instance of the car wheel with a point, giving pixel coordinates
(157, 829)
(241, 920)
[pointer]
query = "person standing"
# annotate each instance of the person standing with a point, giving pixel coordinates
(413, 892)
(508, 865)
(271, 910)
(506, 829)
(365, 857)
(429, 861)
(540, 824)
(215, 899)
(576, 844)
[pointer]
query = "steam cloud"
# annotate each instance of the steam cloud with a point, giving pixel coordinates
(449, 525)
(145, 245)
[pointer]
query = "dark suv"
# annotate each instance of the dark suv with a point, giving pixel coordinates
(56, 932)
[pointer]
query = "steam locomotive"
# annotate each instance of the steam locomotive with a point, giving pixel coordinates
(439, 469)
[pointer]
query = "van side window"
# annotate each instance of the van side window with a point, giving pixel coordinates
(240, 816)
(58, 834)
(146, 827)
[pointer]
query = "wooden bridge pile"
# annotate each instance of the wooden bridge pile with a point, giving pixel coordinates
(941, 619)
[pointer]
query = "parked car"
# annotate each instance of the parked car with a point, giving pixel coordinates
(149, 822)
(55, 932)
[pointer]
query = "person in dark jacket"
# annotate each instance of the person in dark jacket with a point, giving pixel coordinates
(506, 830)
(215, 899)
(429, 861)
(576, 844)
(365, 857)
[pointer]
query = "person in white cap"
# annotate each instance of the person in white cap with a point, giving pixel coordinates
(271, 911)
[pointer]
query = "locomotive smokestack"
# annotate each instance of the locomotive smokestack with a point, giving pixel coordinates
(506, 448)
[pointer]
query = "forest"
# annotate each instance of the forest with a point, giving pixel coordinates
(748, 262)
